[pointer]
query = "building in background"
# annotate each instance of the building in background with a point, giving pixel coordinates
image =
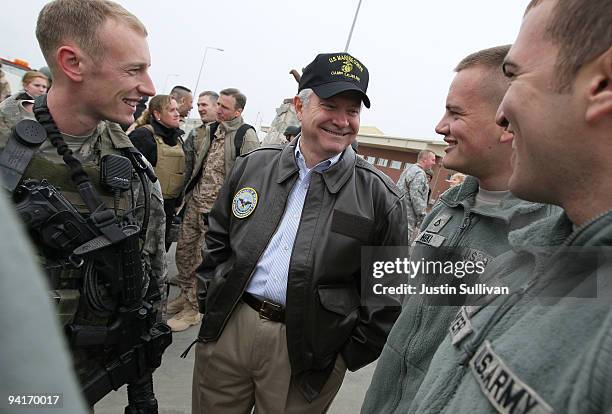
(391, 155)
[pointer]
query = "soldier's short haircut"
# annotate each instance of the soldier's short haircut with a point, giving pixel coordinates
(62, 21)
(238, 96)
(492, 60)
(582, 30)
(179, 92)
(492, 57)
(422, 154)
(214, 96)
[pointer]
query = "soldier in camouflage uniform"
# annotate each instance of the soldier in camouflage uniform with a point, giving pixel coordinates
(414, 184)
(207, 108)
(214, 160)
(100, 73)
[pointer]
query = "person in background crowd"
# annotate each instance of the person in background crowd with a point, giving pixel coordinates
(291, 132)
(184, 100)
(456, 179)
(5, 87)
(35, 83)
(158, 138)
(414, 184)
(207, 108)
(218, 145)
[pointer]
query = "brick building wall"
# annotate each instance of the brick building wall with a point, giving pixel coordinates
(393, 162)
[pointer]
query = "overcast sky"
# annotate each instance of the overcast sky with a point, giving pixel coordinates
(409, 47)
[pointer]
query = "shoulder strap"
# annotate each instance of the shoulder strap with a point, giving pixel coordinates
(240, 136)
(213, 129)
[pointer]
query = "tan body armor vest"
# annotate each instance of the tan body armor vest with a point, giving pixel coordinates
(170, 168)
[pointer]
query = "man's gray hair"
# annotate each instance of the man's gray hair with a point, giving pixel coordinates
(305, 95)
(214, 96)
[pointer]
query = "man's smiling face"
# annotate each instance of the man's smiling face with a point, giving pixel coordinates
(329, 125)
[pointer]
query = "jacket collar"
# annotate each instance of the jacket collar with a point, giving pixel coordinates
(334, 177)
(558, 229)
(232, 125)
(465, 195)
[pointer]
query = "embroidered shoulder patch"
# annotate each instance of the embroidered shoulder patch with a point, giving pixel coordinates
(502, 387)
(244, 202)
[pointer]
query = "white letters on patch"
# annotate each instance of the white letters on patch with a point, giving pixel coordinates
(502, 387)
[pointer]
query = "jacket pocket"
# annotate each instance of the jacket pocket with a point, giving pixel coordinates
(340, 299)
(215, 285)
(335, 320)
(353, 226)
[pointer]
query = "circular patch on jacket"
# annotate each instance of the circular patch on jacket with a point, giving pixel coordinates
(244, 202)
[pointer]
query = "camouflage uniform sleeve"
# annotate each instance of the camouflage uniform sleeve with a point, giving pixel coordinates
(418, 190)
(401, 182)
(155, 248)
(250, 142)
(189, 150)
(5, 130)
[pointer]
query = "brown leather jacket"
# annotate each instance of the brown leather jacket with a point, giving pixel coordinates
(348, 206)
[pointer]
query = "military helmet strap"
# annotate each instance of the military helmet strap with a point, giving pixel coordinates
(101, 216)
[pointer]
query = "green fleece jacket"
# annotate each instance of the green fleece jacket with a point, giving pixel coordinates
(454, 230)
(545, 347)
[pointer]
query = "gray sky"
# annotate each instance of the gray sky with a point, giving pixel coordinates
(409, 47)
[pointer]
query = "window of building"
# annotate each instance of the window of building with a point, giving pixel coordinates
(370, 159)
(397, 165)
(382, 162)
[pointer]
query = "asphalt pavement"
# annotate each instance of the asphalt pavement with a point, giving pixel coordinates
(172, 380)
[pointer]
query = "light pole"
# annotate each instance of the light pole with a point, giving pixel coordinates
(195, 90)
(166, 82)
(348, 41)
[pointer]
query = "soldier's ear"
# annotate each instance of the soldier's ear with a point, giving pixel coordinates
(70, 62)
(599, 99)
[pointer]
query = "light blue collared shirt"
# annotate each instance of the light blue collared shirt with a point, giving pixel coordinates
(269, 279)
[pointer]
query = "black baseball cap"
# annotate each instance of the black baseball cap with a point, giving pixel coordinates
(331, 73)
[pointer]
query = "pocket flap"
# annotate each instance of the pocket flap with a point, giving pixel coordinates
(340, 299)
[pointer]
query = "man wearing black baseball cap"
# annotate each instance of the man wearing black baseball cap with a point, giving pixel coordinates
(280, 285)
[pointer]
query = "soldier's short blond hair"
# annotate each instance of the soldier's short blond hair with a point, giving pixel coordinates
(79, 21)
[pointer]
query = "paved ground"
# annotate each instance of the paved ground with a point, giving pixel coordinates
(173, 379)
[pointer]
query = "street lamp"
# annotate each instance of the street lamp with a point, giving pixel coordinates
(348, 41)
(195, 90)
(166, 82)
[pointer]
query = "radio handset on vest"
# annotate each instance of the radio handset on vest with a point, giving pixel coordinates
(116, 175)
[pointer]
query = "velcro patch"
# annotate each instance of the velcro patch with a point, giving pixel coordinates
(461, 326)
(502, 387)
(350, 225)
(438, 223)
(430, 239)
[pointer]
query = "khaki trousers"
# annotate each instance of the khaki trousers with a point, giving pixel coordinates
(249, 367)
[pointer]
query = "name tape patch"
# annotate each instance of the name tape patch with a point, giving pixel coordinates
(244, 202)
(502, 387)
(430, 239)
